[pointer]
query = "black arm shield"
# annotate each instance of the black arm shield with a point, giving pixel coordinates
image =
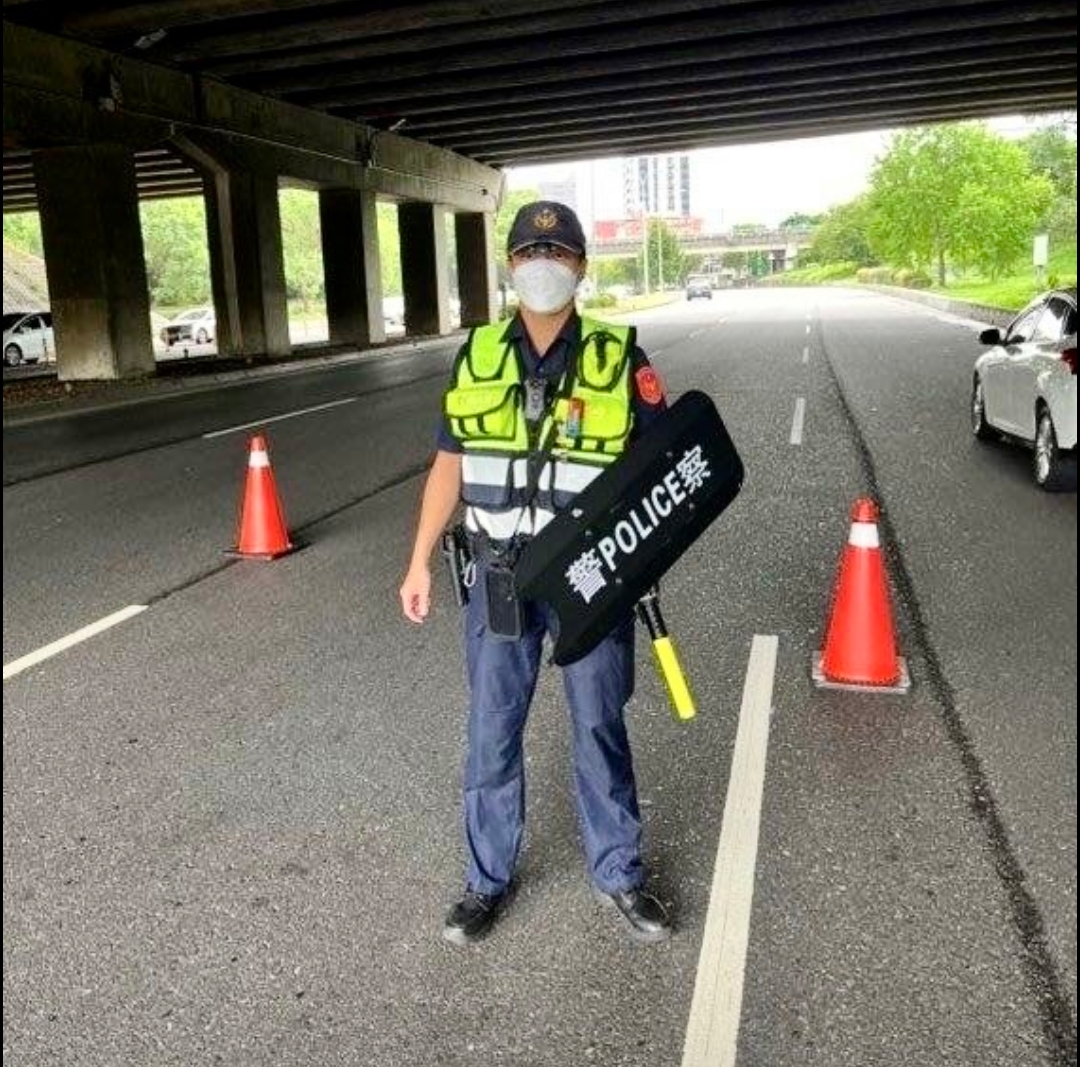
(594, 561)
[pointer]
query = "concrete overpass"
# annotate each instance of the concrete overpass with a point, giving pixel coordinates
(782, 246)
(423, 104)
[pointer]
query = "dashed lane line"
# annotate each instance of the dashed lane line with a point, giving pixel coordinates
(712, 1031)
(48, 651)
(797, 421)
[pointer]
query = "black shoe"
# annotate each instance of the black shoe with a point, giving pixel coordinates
(644, 914)
(473, 916)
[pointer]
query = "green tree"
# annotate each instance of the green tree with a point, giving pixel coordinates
(608, 272)
(800, 221)
(389, 249)
(750, 229)
(1053, 154)
(954, 194)
(301, 241)
(842, 236)
(667, 264)
(176, 251)
(758, 264)
(23, 230)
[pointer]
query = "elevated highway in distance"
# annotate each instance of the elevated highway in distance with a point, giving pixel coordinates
(784, 243)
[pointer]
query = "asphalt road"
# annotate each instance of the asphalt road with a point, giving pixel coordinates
(231, 823)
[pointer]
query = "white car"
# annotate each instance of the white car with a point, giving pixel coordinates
(28, 338)
(197, 325)
(1025, 386)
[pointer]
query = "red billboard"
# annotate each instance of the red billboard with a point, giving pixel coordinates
(630, 229)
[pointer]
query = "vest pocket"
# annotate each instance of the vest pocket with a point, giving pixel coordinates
(483, 411)
(606, 419)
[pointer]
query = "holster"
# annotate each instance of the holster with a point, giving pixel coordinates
(458, 555)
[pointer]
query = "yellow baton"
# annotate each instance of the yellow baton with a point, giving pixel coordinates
(682, 701)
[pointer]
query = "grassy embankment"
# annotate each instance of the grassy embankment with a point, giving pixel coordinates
(1011, 292)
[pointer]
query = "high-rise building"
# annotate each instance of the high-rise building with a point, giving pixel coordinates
(563, 189)
(657, 185)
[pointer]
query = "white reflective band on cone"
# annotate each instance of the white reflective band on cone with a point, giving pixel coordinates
(864, 535)
(259, 458)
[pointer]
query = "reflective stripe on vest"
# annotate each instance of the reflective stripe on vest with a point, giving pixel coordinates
(499, 482)
(485, 410)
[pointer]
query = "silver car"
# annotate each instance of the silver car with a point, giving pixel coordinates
(197, 325)
(1024, 387)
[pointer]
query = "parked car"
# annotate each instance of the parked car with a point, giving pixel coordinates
(1025, 386)
(28, 337)
(698, 286)
(197, 325)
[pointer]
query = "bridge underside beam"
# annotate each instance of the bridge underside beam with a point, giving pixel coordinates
(59, 93)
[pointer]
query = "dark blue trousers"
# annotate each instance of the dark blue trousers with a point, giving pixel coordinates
(502, 679)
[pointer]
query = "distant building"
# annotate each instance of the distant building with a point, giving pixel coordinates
(563, 189)
(657, 185)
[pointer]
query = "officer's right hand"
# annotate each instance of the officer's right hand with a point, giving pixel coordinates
(416, 594)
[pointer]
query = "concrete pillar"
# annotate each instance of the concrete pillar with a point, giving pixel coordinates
(475, 232)
(422, 231)
(247, 266)
(351, 266)
(94, 261)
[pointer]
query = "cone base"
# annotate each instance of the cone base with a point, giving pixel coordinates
(902, 685)
(235, 553)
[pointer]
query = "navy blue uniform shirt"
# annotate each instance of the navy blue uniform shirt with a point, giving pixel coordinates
(552, 365)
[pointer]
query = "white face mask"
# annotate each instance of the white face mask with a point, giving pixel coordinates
(544, 285)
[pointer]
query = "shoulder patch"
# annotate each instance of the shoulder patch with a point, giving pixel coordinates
(649, 386)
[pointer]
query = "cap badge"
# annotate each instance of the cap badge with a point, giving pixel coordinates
(545, 220)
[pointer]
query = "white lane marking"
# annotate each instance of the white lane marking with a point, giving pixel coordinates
(19, 665)
(806, 354)
(713, 1028)
(808, 329)
(797, 421)
(656, 352)
(278, 418)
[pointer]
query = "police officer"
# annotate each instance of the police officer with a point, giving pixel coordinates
(535, 410)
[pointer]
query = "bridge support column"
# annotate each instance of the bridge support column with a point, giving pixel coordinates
(422, 232)
(475, 233)
(247, 266)
(94, 262)
(351, 266)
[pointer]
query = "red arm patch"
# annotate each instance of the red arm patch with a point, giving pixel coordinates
(649, 386)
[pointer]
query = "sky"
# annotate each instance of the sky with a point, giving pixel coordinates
(764, 183)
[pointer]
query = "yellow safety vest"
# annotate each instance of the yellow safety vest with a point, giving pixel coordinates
(485, 410)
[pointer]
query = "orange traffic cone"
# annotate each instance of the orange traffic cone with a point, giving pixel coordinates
(860, 640)
(262, 533)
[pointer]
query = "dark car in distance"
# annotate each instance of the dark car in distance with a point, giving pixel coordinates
(696, 286)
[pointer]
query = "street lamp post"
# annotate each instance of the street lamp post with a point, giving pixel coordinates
(645, 246)
(660, 260)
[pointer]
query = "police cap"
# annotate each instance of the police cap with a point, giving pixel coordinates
(546, 222)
